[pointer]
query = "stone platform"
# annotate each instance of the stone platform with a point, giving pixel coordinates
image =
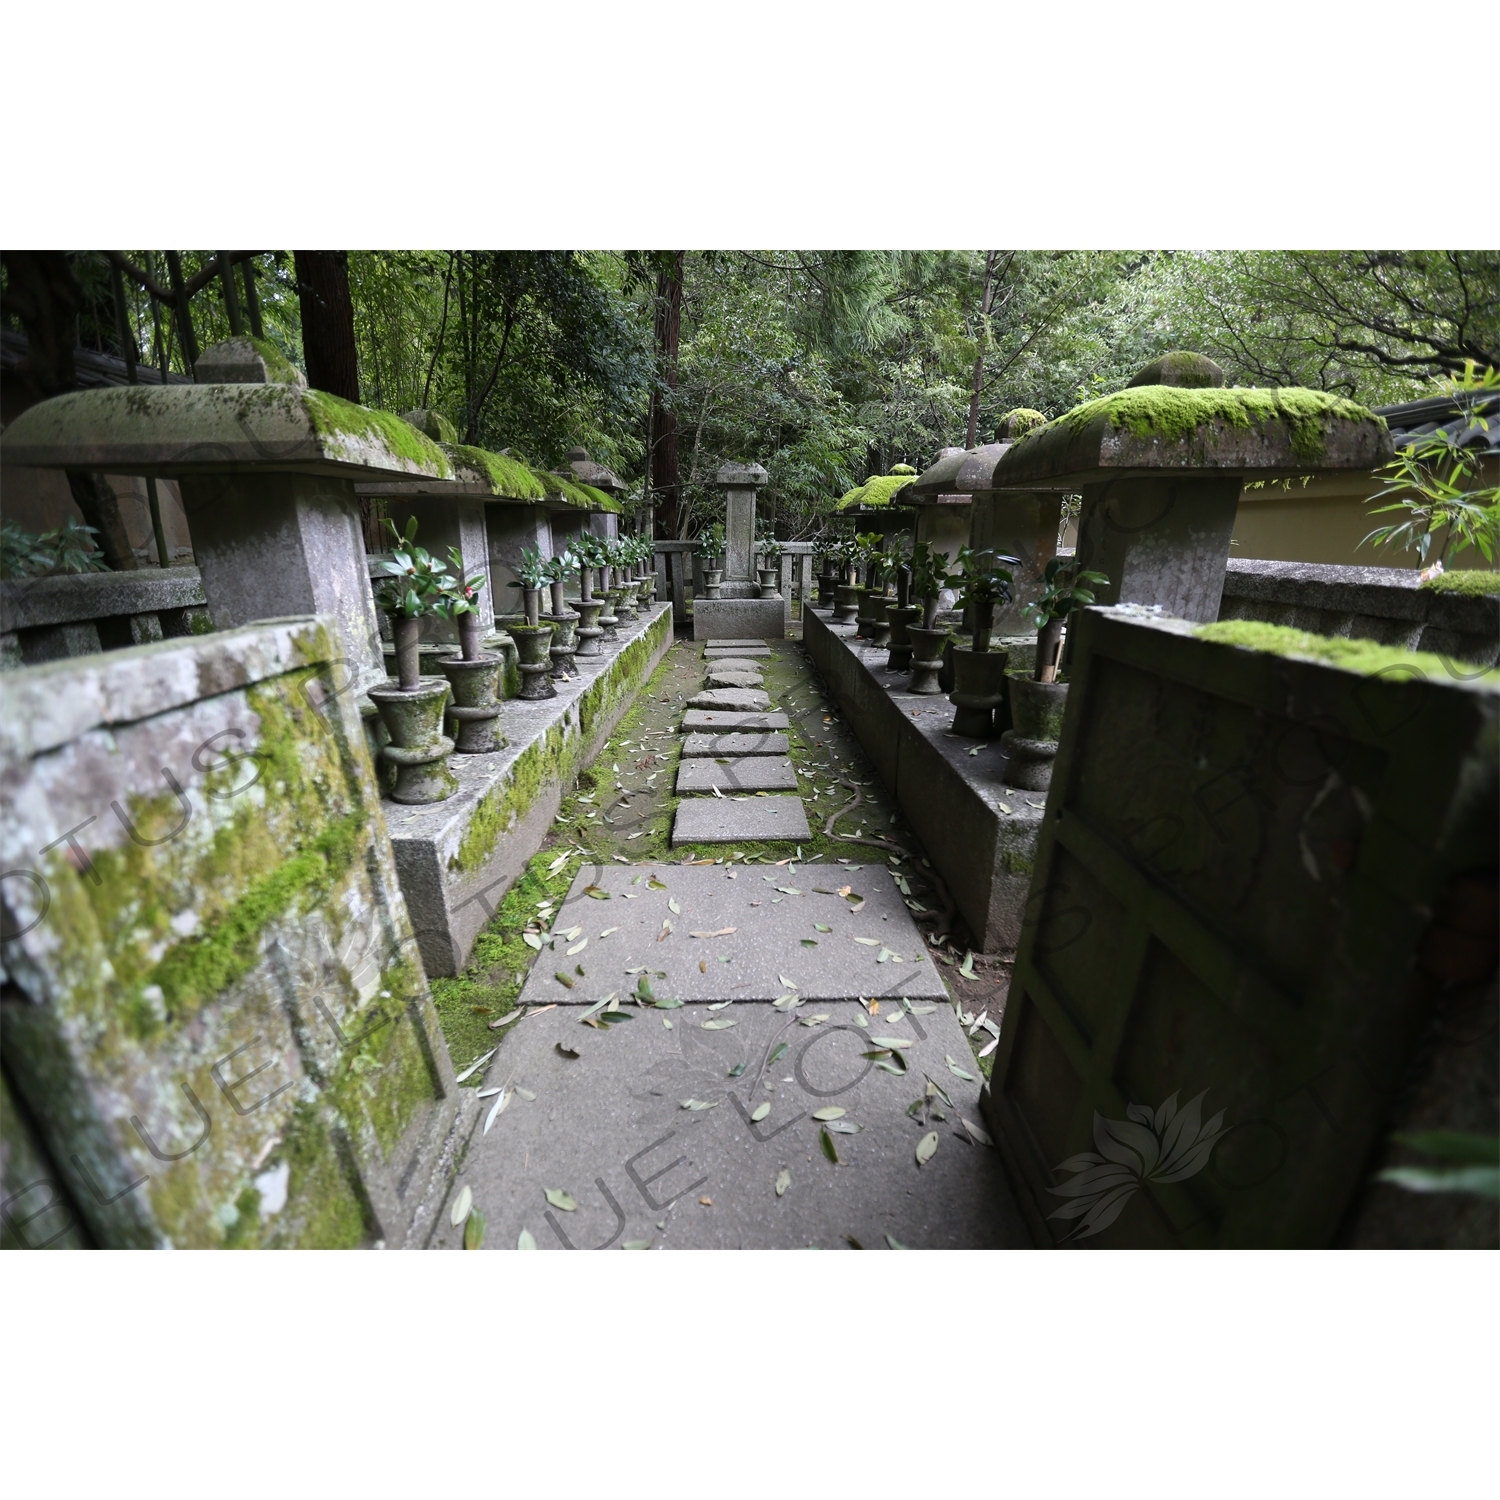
(980, 833)
(458, 858)
(731, 619)
(714, 820)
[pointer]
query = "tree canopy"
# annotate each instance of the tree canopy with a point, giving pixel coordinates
(827, 367)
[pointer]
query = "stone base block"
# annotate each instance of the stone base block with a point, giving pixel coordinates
(722, 619)
(458, 858)
(724, 820)
(752, 773)
(980, 833)
(735, 744)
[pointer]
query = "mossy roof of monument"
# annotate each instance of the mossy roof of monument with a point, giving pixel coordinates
(879, 489)
(1020, 420)
(1201, 424)
(278, 367)
(1368, 658)
(512, 480)
(332, 415)
(1470, 581)
(584, 496)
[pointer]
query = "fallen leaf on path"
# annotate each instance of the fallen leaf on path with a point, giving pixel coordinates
(926, 1147)
(900, 1042)
(721, 1005)
(673, 907)
(844, 1127)
(977, 1133)
(461, 1206)
(525, 1093)
(525, 1241)
(821, 927)
(989, 1047)
(829, 1149)
(474, 1066)
(606, 932)
(760, 1111)
(637, 1244)
(868, 942)
(563, 979)
(596, 892)
(829, 1112)
(699, 1104)
(707, 1202)
(721, 1023)
(560, 1199)
(737, 1071)
(577, 947)
(893, 1242)
(532, 940)
(497, 1108)
(783, 1181)
(474, 1232)
(957, 1071)
(790, 984)
(505, 1020)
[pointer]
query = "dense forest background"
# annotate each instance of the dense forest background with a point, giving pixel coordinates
(823, 366)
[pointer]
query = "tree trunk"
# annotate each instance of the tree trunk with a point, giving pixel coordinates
(665, 480)
(984, 323)
(328, 322)
(328, 347)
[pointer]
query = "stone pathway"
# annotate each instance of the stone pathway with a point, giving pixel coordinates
(751, 1049)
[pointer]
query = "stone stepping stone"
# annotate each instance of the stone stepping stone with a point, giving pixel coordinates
(722, 820)
(723, 651)
(765, 945)
(734, 700)
(717, 679)
(736, 641)
(751, 773)
(735, 744)
(696, 718)
(735, 664)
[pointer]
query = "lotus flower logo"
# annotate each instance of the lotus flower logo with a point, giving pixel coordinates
(1166, 1146)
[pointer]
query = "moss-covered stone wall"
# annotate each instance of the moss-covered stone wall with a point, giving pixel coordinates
(221, 1026)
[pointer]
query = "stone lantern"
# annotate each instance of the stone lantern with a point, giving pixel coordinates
(1160, 467)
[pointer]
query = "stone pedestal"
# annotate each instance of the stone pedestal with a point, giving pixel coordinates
(418, 749)
(475, 704)
(926, 660)
(1160, 541)
(564, 643)
(590, 634)
(532, 644)
(901, 616)
(1017, 525)
(979, 683)
(740, 483)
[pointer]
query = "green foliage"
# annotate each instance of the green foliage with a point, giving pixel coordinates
(67, 549)
(1435, 480)
(1472, 1164)
(982, 581)
(531, 568)
(1063, 590)
(413, 584)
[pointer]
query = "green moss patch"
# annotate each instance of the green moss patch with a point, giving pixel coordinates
(333, 417)
(1173, 414)
(278, 367)
(1469, 581)
(881, 489)
(1368, 658)
(1017, 422)
(511, 479)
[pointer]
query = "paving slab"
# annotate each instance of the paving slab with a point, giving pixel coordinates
(725, 820)
(735, 664)
(717, 679)
(735, 744)
(773, 911)
(718, 654)
(742, 700)
(609, 1127)
(697, 718)
(747, 640)
(752, 773)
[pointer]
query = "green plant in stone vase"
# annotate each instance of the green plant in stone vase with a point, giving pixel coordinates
(929, 577)
(711, 544)
(984, 584)
(1064, 589)
(413, 587)
(1434, 480)
(460, 604)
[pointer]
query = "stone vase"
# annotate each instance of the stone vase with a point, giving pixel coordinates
(589, 634)
(564, 642)
(946, 680)
(419, 749)
(879, 634)
(979, 686)
(531, 603)
(827, 590)
(406, 633)
(713, 578)
(469, 636)
(900, 616)
(610, 619)
(532, 643)
(626, 597)
(846, 605)
(863, 618)
(475, 707)
(770, 579)
(1037, 710)
(926, 660)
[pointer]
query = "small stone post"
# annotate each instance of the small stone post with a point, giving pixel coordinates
(740, 482)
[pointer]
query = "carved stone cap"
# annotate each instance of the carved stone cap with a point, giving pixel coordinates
(742, 476)
(246, 361)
